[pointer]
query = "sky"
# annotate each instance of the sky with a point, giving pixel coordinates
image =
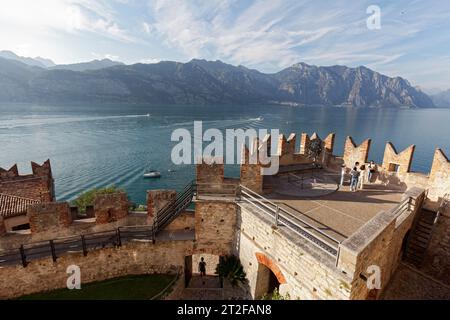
(412, 41)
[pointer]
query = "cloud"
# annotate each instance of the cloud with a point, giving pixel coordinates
(258, 34)
(70, 16)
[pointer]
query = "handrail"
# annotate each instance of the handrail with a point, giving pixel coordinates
(296, 218)
(49, 248)
(173, 208)
(292, 222)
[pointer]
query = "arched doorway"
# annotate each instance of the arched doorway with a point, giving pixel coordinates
(193, 279)
(269, 276)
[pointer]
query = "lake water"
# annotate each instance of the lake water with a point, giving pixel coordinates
(99, 145)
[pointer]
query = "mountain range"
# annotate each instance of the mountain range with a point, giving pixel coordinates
(202, 82)
(442, 99)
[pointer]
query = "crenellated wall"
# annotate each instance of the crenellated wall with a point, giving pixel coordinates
(354, 153)
(50, 216)
(38, 186)
(156, 200)
(397, 162)
(250, 173)
(110, 207)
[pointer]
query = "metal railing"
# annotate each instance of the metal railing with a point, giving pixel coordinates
(173, 208)
(282, 217)
(55, 248)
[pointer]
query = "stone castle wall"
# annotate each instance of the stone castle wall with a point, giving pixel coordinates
(307, 273)
(437, 258)
(132, 258)
(215, 223)
(49, 217)
(110, 207)
(37, 186)
(378, 243)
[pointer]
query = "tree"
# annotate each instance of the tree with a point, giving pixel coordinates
(230, 268)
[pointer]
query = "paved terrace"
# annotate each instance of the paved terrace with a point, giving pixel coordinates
(321, 203)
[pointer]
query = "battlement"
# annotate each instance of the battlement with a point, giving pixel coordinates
(38, 170)
(39, 185)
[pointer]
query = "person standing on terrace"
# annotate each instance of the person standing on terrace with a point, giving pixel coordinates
(362, 176)
(354, 177)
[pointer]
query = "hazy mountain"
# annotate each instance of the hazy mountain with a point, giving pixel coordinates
(91, 65)
(46, 62)
(38, 61)
(340, 85)
(442, 99)
(201, 82)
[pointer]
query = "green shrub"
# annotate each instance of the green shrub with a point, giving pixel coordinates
(87, 198)
(230, 268)
(275, 295)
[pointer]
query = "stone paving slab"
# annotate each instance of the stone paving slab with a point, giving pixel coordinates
(408, 283)
(341, 212)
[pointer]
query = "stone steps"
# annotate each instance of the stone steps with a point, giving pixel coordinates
(419, 238)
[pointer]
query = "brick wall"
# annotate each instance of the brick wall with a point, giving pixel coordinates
(210, 173)
(215, 223)
(38, 186)
(353, 153)
(250, 173)
(110, 207)
(402, 159)
(50, 216)
(156, 200)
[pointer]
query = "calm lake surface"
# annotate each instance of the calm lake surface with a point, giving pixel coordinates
(98, 145)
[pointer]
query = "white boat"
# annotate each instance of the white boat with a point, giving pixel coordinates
(152, 174)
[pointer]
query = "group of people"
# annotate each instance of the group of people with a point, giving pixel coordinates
(359, 174)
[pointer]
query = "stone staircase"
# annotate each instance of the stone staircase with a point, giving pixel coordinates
(419, 238)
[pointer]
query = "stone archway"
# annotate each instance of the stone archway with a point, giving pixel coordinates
(265, 260)
(269, 276)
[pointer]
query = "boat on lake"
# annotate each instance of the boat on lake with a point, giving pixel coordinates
(152, 174)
